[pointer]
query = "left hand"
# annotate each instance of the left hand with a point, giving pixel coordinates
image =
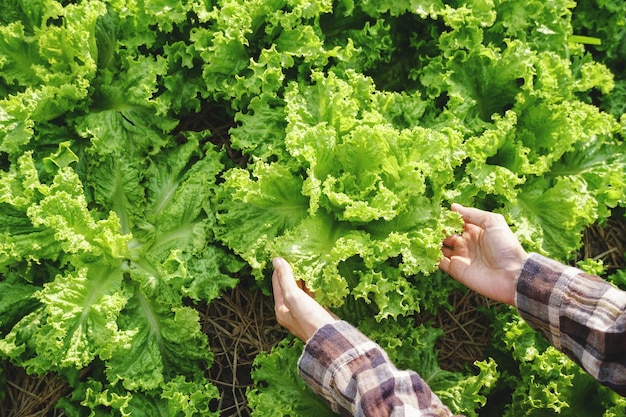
(295, 309)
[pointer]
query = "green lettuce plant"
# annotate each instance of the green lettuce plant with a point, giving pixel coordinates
(354, 125)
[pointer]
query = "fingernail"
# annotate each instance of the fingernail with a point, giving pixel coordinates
(277, 262)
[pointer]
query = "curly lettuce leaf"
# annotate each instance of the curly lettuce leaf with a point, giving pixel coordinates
(18, 301)
(543, 379)
(75, 318)
(263, 205)
(318, 246)
(545, 209)
(390, 291)
(164, 342)
(358, 164)
(279, 390)
(364, 193)
(74, 324)
(116, 298)
(48, 222)
(205, 275)
(261, 128)
(23, 244)
(185, 397)
(125, 115)
(41, 81)
(601, 165)
(65, 211)
(251, 47)
(315, 248)
(80, 313)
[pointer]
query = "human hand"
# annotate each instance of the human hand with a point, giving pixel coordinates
(486, 257)
(295, 309)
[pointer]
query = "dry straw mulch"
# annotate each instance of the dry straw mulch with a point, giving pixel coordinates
(466, 328)
(241, 324)
(607, 242)
(31, 396)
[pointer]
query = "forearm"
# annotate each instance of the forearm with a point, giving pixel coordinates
(580, 314)
(355, 376)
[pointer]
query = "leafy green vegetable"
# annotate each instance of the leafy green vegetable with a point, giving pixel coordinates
(360, 197)
(605, 20)
(280, 391)
(106, 218)
(544, 380)
(120, 297)
(351, 127)
(46, 67)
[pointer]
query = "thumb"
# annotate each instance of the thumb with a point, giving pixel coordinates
(284, 276)
(473, 215)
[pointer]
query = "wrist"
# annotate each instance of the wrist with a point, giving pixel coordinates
(315, 323)
(515, 274)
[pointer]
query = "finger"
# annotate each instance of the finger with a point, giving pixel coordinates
(444, 264)
(455, 267)
(281, 310)
(447, 252)
(451, 240)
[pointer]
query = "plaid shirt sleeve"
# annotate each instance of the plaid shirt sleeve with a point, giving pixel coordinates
(355, 377)
(580, 314)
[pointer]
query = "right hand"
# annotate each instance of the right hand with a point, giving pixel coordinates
(486, 257)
